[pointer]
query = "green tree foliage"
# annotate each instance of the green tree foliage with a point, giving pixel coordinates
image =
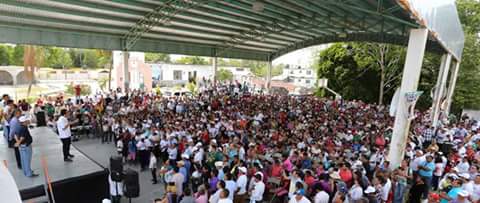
(17, 55)
(224, 75)
(353, 71)
(347, 76)
(192, 60)
(157, 57)
(90, 59)
(56, 57)
(260, 69)
(4, 55)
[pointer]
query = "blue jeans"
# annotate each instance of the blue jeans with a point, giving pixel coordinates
(26, 156)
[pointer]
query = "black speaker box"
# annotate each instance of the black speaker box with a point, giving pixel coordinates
(132, 187)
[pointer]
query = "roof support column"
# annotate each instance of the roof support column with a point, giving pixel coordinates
(126, 72)
(451, 87)
(269, 76)
(410, 78)
(440, 88)
(215, 67)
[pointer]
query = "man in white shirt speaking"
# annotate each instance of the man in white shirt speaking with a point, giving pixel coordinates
(63, 126)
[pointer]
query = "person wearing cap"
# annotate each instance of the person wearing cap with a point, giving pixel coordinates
(23, 140)
(370, 193)
(258, 189)
(463, 197)
(242, 180)
(452, 194)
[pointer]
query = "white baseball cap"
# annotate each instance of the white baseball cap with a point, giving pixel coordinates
(24, 118)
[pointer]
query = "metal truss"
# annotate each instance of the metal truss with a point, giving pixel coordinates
(161, 15)
(259, 32)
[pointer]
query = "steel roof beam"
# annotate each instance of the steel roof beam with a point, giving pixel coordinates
(226, 15)
(288, 20)
(160, 15)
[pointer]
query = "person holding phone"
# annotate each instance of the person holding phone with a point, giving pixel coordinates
(65, 134)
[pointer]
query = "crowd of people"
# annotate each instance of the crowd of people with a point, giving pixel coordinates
(227, 145)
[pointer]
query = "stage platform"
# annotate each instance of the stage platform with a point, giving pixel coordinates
(82, 180)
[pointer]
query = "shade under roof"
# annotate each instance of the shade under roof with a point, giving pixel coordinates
(245, 29)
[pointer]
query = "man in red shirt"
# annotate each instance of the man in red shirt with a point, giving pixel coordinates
(78, 90)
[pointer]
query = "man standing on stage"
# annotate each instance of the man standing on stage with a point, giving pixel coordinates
(15, 127)
(24, 142)
(63, 126)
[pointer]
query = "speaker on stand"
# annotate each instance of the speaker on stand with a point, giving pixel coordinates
(132, 186)
(116, 174)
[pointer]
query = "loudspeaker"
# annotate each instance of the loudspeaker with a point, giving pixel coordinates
(41, 119)
(116, 168)
(132, 187)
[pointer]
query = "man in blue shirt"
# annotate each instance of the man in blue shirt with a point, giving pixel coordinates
(15, 127)
(452, 193)
(426, 172)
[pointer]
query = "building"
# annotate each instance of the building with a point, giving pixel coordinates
(140, 73)
(172, 74)
(300, 76)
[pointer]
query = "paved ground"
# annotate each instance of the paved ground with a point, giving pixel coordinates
(101, 153)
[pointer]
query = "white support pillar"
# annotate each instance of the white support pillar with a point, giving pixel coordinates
(126, 72)
(410, 77)
(439, 81)
(269, 76)
(215, 67)
(451, 88)
(440, 89)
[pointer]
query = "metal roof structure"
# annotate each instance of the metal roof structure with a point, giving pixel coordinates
(244, 29)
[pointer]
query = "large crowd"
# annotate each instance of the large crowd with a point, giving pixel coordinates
(226, 144)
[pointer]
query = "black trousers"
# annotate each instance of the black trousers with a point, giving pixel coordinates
(17, 153)
(66, 142)
(154, 174)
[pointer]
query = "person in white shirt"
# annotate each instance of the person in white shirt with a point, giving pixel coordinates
(240, 196)
(321, 196)
(356, 192)
(224, 197)
(63, 126)
(216, 196)
(230, 185)
(386, 186)
(153, 167)
(299, 198)
(258, 189)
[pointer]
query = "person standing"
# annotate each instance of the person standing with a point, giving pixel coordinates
(63, 126)
(14, 129)
(258, 189)
(153, 167)
(240, 195)
(24, 142)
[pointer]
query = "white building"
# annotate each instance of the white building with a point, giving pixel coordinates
(298, 75)
(179, 73)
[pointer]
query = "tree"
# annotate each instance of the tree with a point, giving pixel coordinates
(157, 57)
(260, 69)
(192, 60)
(224, 75)
(17, 55)
(55, 57)
(351, 79)
(90, 59)
(4, 55)
(387, 59)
